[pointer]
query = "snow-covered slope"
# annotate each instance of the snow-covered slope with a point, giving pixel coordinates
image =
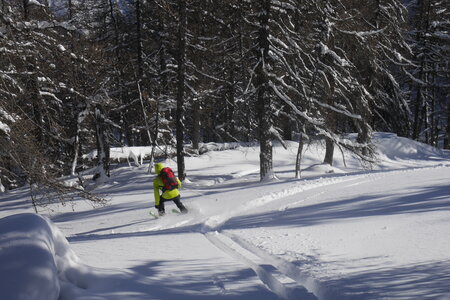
(340, 232)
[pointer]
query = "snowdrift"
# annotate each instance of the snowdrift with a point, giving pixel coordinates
(35, 259)
(399, 149)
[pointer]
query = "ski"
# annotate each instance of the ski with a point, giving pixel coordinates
(176, 211)
(157, 216)
(153, 214)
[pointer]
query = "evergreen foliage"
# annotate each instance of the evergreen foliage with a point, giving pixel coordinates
(80, 76)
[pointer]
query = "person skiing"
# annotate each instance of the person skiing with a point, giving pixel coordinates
(169, 184)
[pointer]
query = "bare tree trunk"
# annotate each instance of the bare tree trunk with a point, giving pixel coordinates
(155, 137)
(196, 124)
(263, 100)
(420, 103)
(434, 115)
(126, 131)
(25, 9)
(181, 88)
(103, 153)
(329, 153)
(161, 88)
(139, 39)
(230, 104)
(298, 160)
(243, 72)
(447, 134)
(147, 126)
(76, 150)
(81, 116)
(69, 9)
(38, 105)
(330, 121)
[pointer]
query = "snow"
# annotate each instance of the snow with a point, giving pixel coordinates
(62, 48)
(33, 254)
(138, 154)
(363, 34)
(325, 50)
(34, 2)
(340, 232)
(4, 128)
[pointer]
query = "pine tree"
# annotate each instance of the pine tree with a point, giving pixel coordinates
(34, 101)
(313, 75)
(263, 98)
(181, 81)
(429, 75)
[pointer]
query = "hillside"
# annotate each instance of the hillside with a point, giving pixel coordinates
(341, 232)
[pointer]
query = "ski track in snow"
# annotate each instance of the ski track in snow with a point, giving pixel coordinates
(281, 277)
(278, 275)
(216, 222)
(275, 281)
(270, 268)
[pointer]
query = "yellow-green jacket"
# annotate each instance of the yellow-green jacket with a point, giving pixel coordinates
(158, 185)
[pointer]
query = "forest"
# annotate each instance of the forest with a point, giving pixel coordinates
(78, 76)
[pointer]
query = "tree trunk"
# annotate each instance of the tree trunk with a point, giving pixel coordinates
(76, 150)
(434, 115)
(37, 103)
(330, 120)
(230, 104)
(196, 123)
(181, 88)
(155, 137)
(447, 134)
(144, 113)
(69, 9)
(127, 136)
(103, 153)
(25, 10)
(329, 152)
(77, 143)
(298, 160)
(139, 39)
(263, 99)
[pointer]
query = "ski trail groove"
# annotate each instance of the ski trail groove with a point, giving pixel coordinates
(271, 280)
(215, 222)
(307, 286)
(320, 290)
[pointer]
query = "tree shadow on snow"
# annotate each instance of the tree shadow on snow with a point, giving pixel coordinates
(176, 230)
(106, 210)
(196, 279)
(204, 279)
(429, 199)
(422, 281)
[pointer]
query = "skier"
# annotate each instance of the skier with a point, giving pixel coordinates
(169, 184)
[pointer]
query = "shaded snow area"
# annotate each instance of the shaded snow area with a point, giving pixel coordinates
(340, 232)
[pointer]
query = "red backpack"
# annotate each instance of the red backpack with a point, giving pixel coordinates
(169, 179)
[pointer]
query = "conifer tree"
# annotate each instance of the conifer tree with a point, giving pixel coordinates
(429, 74)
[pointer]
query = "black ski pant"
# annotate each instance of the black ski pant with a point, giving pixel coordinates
(177, 202)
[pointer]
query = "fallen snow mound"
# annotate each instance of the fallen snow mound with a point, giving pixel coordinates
(34, 257)
(399, 148)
